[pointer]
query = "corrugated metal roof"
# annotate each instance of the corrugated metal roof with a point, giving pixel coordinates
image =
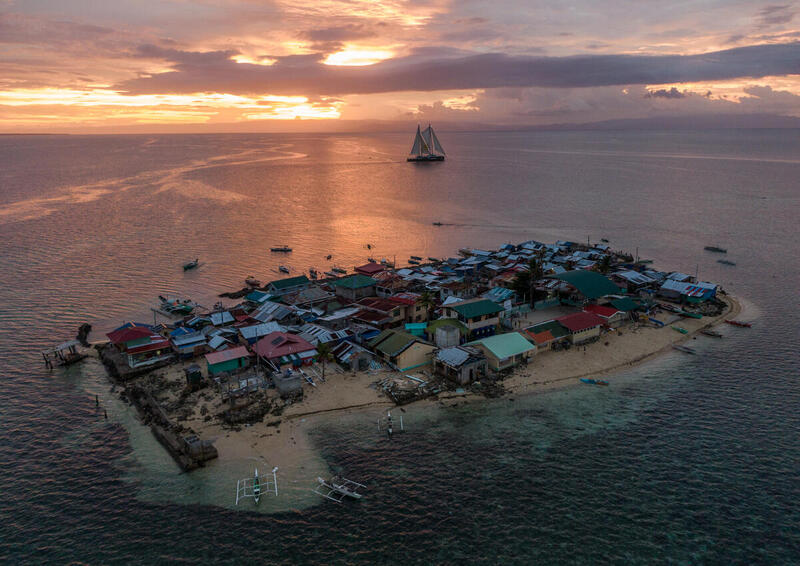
(504, 346)
(227, 355)
(476, 308)
(453, 356)
(357, 281)
(590, 284)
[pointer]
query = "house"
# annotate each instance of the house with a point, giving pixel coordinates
(415, 311)
(461, 364)
(339, 318)
(582, 326)
(480, 316)
(315, 334)
(588, 284)
(688, 292)
(633, 280)
(352, 356)
(231, 359)
(545, 335)
(613, 318)
(281, 348)
(354, 287)
(446, 332)
(401, 350)
(307, 297)
(388, 308)
(389, 283)
(252, 334)
(458, 289)
(221, 318)
(505, 351)
(288, 285)
(274, 311)
(187, 343)
(140, 344)
(370, 269)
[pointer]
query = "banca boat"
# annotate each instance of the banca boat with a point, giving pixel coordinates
(191, 264)
(338, 488)
(285, 249)
(684, 349)
(255, 486)
(679, 329)
(726, 262)
(426, 146)
(738, 323)
(712, 333)
(251, 281)
(590, 381)
(716, 249)
(283, 269)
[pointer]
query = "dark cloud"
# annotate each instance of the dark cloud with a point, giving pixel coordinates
(338, 33)
(775, 15)
(211, 72)
(664, 93)
(597, 45)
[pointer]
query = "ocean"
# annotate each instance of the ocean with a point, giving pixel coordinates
(682, 460)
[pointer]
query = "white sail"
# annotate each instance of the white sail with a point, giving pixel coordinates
(420, 146)
(426, 146)
(437, 147)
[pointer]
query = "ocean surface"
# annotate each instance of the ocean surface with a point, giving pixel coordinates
(683, 460)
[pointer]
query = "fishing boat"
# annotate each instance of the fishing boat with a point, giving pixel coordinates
(251, 281)
(679, 329)
(329, 256)
(338, 488)
(738, 323)
(284, 249)
(690, 314)
(716, 249)
(726, 262)
(331, 274)
(437, 223)
(283, 269)
(255, 486)
(416, 257)
(338, 270)
(604, 240)
(433, 259)
(371, 260)
(426, 146)
(712, 333)
(191, 264)
(177, 306)
(312, 273)
(684, 349)
(590, 381)
(413, 262)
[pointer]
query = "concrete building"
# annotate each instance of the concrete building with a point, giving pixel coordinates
(504, 351)
(401, 350)
(461, 364)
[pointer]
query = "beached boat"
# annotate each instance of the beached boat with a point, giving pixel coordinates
(416, 257)
(712, 333)
(684, 349)
(433, 259)
(338, 270)
(257, 485)
(338, 488)
(191, 264)
(284, 249)
(604, 240)
(251, 281)
(283, 269)
(726, 262)
(590, 381)
(413, 262)
(690, 314)
(426, 146)
(738, 323)
(716, 249)
(679, 329)
(331, 274)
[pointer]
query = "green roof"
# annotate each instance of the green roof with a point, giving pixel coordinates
(290, 282)
(354, 282)
(433, 325)
(392, 342)
(504, 346)
(476, 308)
(590, 284)
(624, 304)
(554, 327)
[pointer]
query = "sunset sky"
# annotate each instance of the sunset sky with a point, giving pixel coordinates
(214, 65)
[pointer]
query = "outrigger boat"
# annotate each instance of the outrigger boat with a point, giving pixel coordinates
(331, 274)
(283, 269)
(437, 223)
(388, 424)
(433, 259)
(338, 488)
(171, 305)
(416, 257)
(604, 240)
(590, 381)
(313, 273)
(712, 333)
(255, 486)
(413, 262)
(716, 249)
(284, 249)
(690, 314)
(679, 329)
(726, 262)
(684, 349)
(191, 264)
(338, 270)
(738, 323)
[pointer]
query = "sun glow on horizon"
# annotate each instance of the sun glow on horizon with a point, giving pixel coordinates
(358, 57)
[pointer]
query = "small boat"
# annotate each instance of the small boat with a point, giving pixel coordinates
(416, 257)
(371, 260)
(176, 306)
(738, 323)
(712, 333)
(684, 349)
(251, 281)
(716, 249)
(338, 488)
(191, 264)
(433, 259)
(413, 262)
(338, 270)
(256, 485)
(645, 261)
(256, 488)
(329, 256)
(331, 274)
(590, 381)
(313, 273)
(604, 240)
(690, 314)
(283, 269)
(679, 329)
(284, 249)
(369, 246)
(726, 262)
(437, 223)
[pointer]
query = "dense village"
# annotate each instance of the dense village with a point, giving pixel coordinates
(462, 324)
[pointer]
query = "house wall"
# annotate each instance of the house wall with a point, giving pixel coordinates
(355, 294)
(417, 354)
(584, 335)
(230, 365)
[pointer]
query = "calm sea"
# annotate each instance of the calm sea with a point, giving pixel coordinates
(685, 460)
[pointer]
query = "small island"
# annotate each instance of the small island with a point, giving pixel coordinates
(243, 380)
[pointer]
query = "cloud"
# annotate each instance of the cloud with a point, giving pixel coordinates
(664, 93)
(775, 15)
(212, 72)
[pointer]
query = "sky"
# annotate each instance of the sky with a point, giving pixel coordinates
(251, 65)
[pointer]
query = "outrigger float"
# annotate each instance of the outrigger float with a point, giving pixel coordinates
(338, 488)
(255, 486)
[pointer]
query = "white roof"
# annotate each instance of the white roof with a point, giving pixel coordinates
(259, 330)
(453, 356)
(220, 318)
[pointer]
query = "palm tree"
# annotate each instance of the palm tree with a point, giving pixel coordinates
(536, 272)
(323, 355)
(427, 300)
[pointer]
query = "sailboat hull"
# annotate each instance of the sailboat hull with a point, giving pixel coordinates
(425, 158)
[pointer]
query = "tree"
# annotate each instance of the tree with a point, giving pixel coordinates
(535, 272)
(427, 300)
(323, 355)
(605, 264)
(522, 283)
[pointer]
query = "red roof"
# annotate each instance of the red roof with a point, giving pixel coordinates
(131, 333)
(227, 355)
(371, 316)
(406, 298)
(279, 344)
(578, 321)
(541, 337)
(370, 268)
(599, 310)
(159, 344)
(381, 304)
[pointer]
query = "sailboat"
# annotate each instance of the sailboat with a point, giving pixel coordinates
(426, 146)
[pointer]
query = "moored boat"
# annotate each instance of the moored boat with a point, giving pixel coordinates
(712, 333)
(251, 281)
(331, 274)
(413, 262)
(426, 146)
(283, 269)
(684, 349)
(338, 270)
(690, 314)
(716, 249)
(191, 264)
(726, 262)
(284, 249)
(416, 257)
(738, 323)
